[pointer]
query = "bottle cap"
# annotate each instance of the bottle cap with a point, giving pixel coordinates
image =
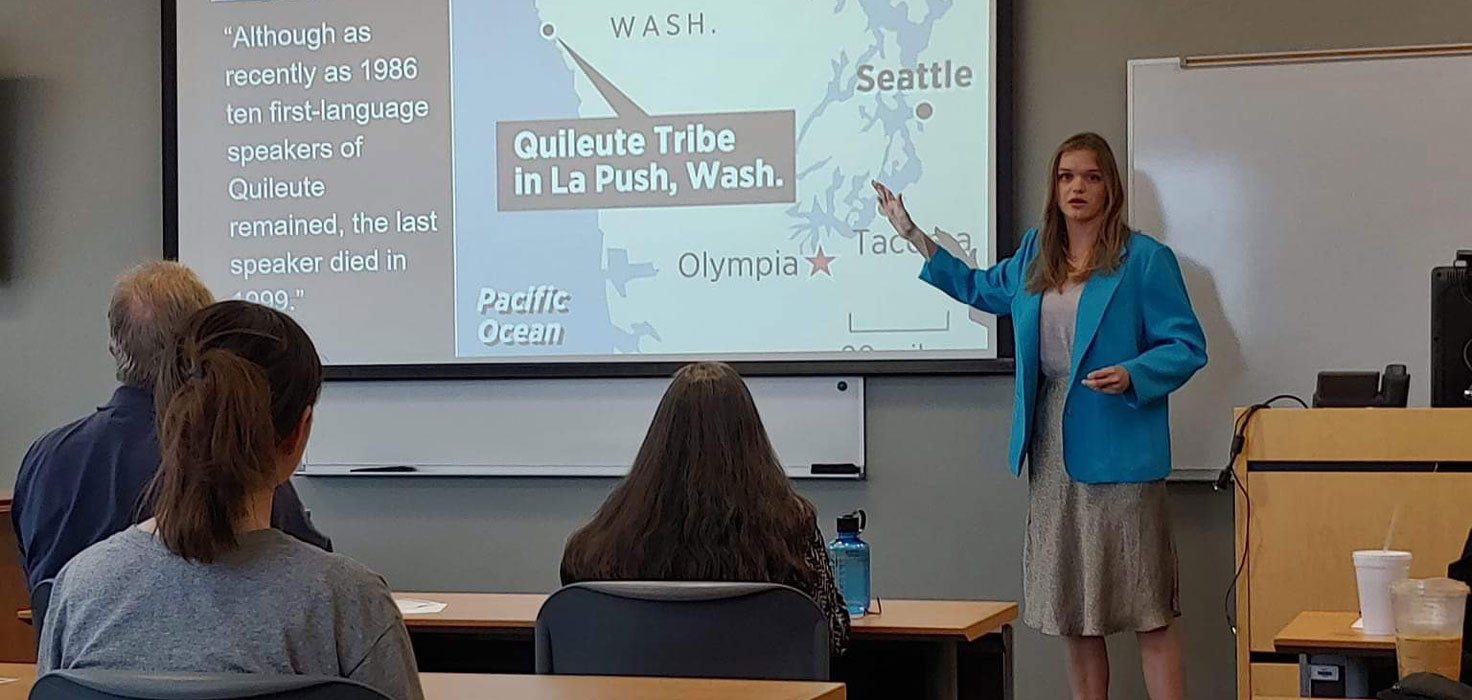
(852, 523)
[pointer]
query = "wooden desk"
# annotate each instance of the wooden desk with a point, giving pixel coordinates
(468, 686)
(914, 648)
(20, 688)
(948, 619)
(1334, 659)
(473, 612)
(464, 686)
(964, 620)
(1316, 632)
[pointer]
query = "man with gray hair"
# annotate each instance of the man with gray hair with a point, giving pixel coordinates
(85, 481)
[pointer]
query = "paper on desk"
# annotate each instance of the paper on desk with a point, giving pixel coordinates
(3, 681)
(411, 606)
(1358, 624)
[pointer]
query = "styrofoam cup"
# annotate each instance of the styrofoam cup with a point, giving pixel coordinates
(1375, 570)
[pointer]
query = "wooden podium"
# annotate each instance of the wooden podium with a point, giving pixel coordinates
(1322, 483)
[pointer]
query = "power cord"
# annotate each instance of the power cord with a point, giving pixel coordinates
(1228, 477)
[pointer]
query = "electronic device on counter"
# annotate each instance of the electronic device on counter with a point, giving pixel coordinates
(1364, 389)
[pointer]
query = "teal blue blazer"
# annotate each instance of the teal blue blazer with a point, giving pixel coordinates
(1138, 316)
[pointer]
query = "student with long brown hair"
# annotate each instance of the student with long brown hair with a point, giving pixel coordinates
(1104, 333)
(206, 585)
(707, 500)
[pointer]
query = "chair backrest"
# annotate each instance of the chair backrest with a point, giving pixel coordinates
(40, 600)
(97, 684)
(686, 629)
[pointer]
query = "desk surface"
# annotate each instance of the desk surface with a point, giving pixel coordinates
(25, 675)
(1324, 631)
(945, 619)
(949, 619)
(454, 686)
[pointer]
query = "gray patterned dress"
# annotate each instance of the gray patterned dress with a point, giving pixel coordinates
(1099, 557)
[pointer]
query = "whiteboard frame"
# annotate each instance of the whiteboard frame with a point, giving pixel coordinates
(411, 469)
(448, 470)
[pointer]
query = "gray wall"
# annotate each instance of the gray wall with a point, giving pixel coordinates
(79, 198)
(79, 163)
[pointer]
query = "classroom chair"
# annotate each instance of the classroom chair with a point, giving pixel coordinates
(97, 684)
(683, 629)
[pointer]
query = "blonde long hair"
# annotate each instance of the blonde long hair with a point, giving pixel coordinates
(1050, 269)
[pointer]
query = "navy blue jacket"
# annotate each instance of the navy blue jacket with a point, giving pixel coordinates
(83, 482)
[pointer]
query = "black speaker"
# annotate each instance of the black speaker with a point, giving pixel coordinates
(1451, 333)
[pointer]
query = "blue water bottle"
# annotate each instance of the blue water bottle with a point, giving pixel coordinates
(850, 557)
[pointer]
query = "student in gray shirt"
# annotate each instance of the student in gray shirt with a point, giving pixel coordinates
(206, 585)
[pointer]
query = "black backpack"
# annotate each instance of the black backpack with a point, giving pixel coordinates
(1427, 686)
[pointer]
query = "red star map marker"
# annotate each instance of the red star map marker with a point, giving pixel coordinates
(820, 263)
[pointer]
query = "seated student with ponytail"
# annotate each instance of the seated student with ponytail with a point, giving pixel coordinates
(207, 585)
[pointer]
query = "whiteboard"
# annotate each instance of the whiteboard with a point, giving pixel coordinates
(557, 427)
(1308, 204)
